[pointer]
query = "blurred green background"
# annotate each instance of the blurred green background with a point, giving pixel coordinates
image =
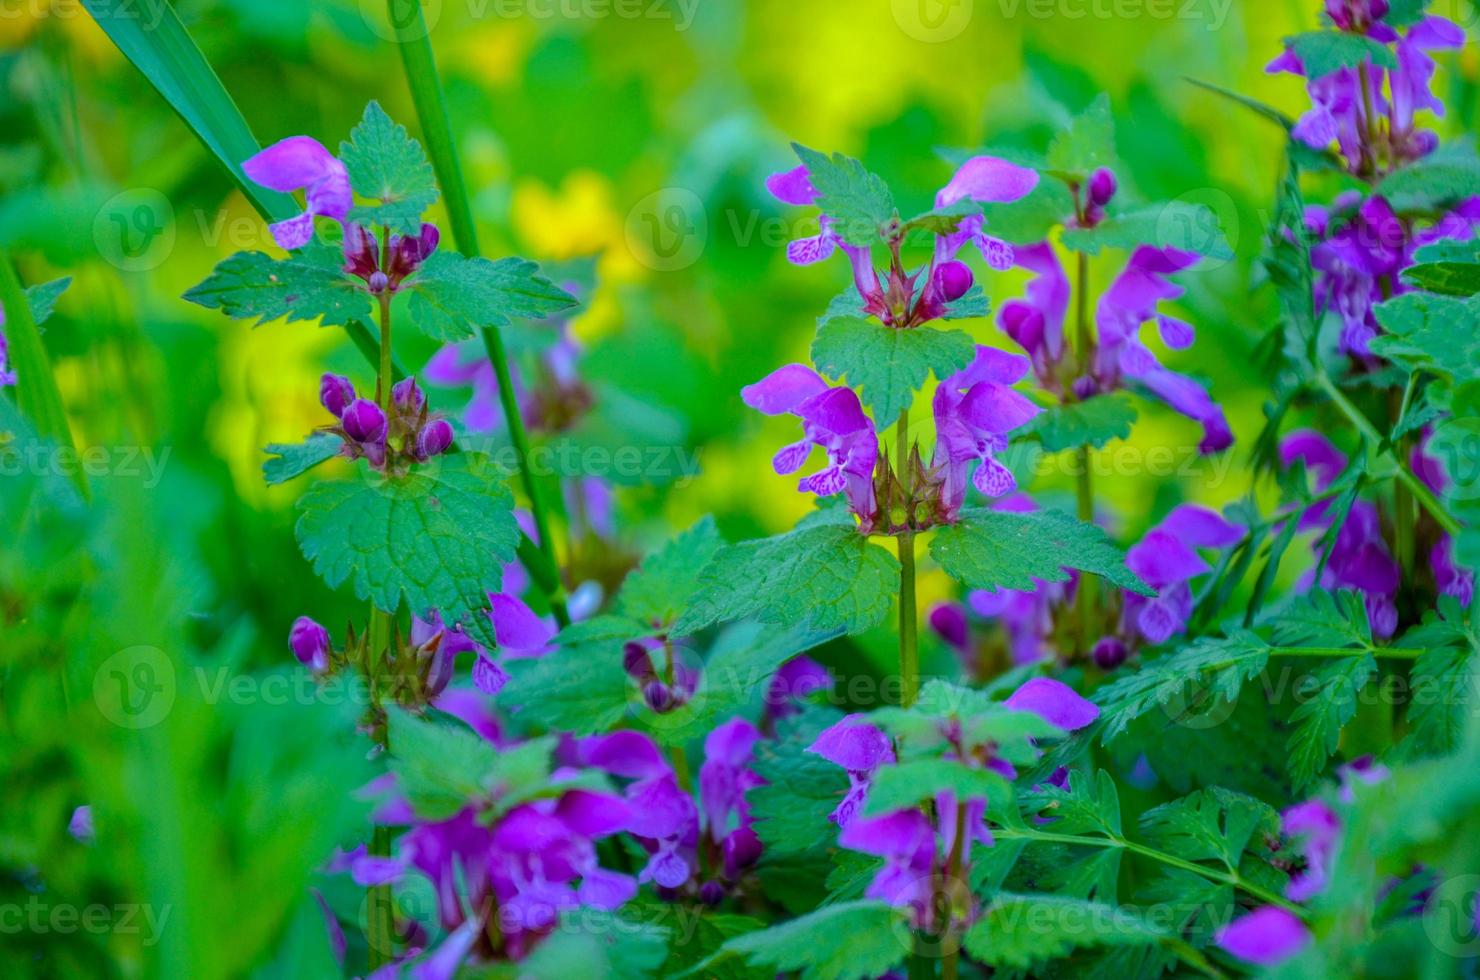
(637, 131)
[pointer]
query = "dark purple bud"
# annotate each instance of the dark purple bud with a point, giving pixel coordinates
(310, 643)
(948, 620)
(408, 397)
(379, 282)
(335, 393)
(360, 252)
(952, 280)
(433, 439)
(636, 662)
(363, 421)
(1102, 187)
(658, 696)
(711, 893)
(1109, 653)
(742, 849)
(439, 667)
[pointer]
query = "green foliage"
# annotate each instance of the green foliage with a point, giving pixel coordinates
(1424, 331)
(1210, 825)
(943, 220)
(847, 941)
(1092, 422)
(442, 768)
(452, 297)
(579, 688)
(307, 285)
(887, 366)
(287, 460)
(826, 577)
(1087, 144)
(992, 549)
(389, 167)
(1212, 667)
(1434, 183)
(1031, 218)
(1450, 268)
(1325, 52)
(659, 589)
(1022, 931)
(1318, 721)
(858, 202)
(620, 950)
(1174, 224)
(791, 808)
(906, 784)
(43, 298)
(441, 538)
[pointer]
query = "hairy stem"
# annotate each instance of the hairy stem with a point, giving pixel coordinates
(415, 44)
(1087, 587)
(909, 654)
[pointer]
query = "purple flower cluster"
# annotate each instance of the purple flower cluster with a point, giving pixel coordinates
(411, 434)
(1167, 560)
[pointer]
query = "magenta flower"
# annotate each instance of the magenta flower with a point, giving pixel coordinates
(1315, 827)
(905, 839)
(1267, 936)
(1036, 322)
(975, 409)
(302, 163)
(311, 644)
(724, 779)
(1055, 702)
(859, 748)
(1167, 560)
(403, 255)
(798, 679)
(81, 825)
(833, 419)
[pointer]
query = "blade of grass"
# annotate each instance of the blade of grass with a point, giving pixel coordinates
(36, 391)
(415, 42)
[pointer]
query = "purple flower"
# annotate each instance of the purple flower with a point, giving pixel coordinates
(905, 840)
(302, 163)
(1131, 301)
(1316, 829)
(1055, 702)
(81, 825)
(859, 748)
(1036, 322)
(311, 644)
(364, 422)
(433, 439)
(724, 780)
(336, 392)
(798, 679)
(1167, 560)
(363, 256)
(1267, 936)
(833, 419)
(975, 409)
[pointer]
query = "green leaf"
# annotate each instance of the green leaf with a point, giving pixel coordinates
(887, 366)
(1319, 719)
(453, 296)
(1030, 219)
(1433, 184)
(441, 768)
(994, 549)
(1287, 263)
(1214, 824)
(1174, 224)
(1442, 681)
(858, 202)
(600, 944)
(907, 783)
(1425, 331)
(1324, 619)
(287, 460)
(43, 298)
(1325, 52)
(800, 788)
(581, 689)
(307, 285)
(1020, 931)
(941, 221)
(847, 941)
(435, 539)
(388, 166)
(36, 392)
(825, 577)
(1261, 108)
(1088, 143)
(661, 587)
(699, 955)
(1092, 422)
(1212, 666)
(1085, 806)
(1451, 268)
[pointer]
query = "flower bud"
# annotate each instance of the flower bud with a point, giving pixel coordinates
(408, 397)
(433, 439)
(363, 421)
(310, 644)
(335, 393)
(636, 662)
(1109, 653)
(1102, 187)
(379, 282)
(360, 252)
(658, 696)
(952, 280)
(711, 893)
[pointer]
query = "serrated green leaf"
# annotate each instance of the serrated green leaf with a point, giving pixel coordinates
(1085, 805)
(1323, 619)
(887, 366)
(453, 296)
(435, 539)
(800, 788)
(858, 202)
(599, 944)
(287, 460)
(388, 166)
(698, 955)
(1174, 224)
(994, 549)
(307, 285)
(1021, 931)
(43, 298)
(1214, 824)
(1092, 422)
(1324, 52)
(1425, 331)
(1319, 719)
(441, 768)
(1212, 666)
(1433, 184)
(943, 220)
(847, 941)
(1443, 684)
(907, 783)
(1030, 219)
(581, 689)
(1088, 143)
(660, 588)
(827, 577)
(1447, 267)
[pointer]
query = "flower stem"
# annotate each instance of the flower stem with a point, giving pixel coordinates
(415, 44)
(1087, 587)
(380, 921)
(909, 654)
(952, 871)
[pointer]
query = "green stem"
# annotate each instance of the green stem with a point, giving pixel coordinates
(1086, 596)
(415, 42)
(1404, 472)
(948, 966)
(380, 920)
(909, 654)
(1392, 653)
(1231, 878)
